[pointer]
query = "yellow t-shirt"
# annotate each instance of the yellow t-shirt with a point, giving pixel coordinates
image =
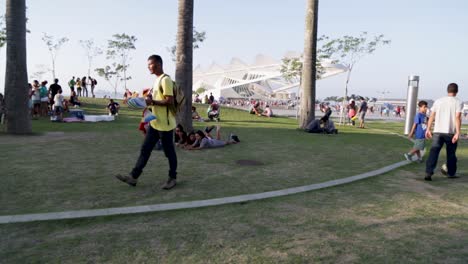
(160, 123)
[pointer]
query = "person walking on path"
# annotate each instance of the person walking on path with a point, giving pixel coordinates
(446, 116)
(418, 130)
(162, 128)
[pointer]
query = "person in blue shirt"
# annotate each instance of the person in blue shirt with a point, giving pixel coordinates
(419, 132)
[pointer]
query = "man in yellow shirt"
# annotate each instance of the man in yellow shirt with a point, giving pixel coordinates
(161, 128)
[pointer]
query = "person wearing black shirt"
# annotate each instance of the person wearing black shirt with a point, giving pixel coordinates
(53, 90)
(211, 98)
(113, 107)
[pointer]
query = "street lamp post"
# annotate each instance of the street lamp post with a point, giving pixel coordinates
(411, 101)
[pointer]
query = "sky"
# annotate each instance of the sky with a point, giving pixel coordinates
(429, 38)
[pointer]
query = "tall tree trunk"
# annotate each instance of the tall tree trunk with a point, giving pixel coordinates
(16, 81)
(309, 71)
(345, 98)
(184, 61)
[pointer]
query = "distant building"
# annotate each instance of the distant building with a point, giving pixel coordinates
(259, 80)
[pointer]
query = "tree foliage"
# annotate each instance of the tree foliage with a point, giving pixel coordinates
(41, 69)
(112, 74)
(291, 67)
(91, 51)
(348, 50)
(54, 47)
(198, 37)
(200, 90)
(118, 52)
(118, 49)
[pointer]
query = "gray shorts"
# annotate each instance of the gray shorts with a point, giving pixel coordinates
(419, 144)
(362, 115)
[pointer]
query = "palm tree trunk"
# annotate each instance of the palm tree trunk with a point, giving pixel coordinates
(309, 71)
(184, 61)
(16, 81)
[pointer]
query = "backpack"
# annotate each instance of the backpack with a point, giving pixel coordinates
(179, 98)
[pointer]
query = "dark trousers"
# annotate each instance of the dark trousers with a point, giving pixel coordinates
(438, 141)
(152, 137)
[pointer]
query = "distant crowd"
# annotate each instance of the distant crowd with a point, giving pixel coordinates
(47, 100)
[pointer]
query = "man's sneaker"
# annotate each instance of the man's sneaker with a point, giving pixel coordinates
(234, 138)
(428, 177)
(127, 179)
(419, 160)
(453, 177)
(169, 184)
(444, 169)
(407, 157)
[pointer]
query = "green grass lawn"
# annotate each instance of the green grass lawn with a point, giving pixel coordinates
(395, 217)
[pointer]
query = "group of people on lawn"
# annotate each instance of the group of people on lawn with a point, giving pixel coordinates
(45, 101)
(256, 110)
(445, 114)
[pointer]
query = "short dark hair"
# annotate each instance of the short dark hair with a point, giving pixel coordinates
(421, 103)
(452, 88)
(156, 58)
(56, 80)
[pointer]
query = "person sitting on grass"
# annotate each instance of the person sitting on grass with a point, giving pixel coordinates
(74, 100)
(113, 107)
(195, 115)
(255, 110)
(205, 141)
(213, 112)
(267, 112)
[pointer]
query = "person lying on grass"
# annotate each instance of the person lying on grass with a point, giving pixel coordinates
(180, 136)
(205, 140)
(191, 139)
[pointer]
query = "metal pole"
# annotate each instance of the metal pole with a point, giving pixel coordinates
(411, 102)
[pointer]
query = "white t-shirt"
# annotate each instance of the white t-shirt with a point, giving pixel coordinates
(58, 100)
(446, 109)
(36, 96)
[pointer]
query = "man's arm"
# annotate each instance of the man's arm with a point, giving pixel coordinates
(457, 128)
(168, 99)
(429, 125)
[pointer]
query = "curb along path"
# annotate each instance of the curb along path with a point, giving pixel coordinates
(195, 204)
